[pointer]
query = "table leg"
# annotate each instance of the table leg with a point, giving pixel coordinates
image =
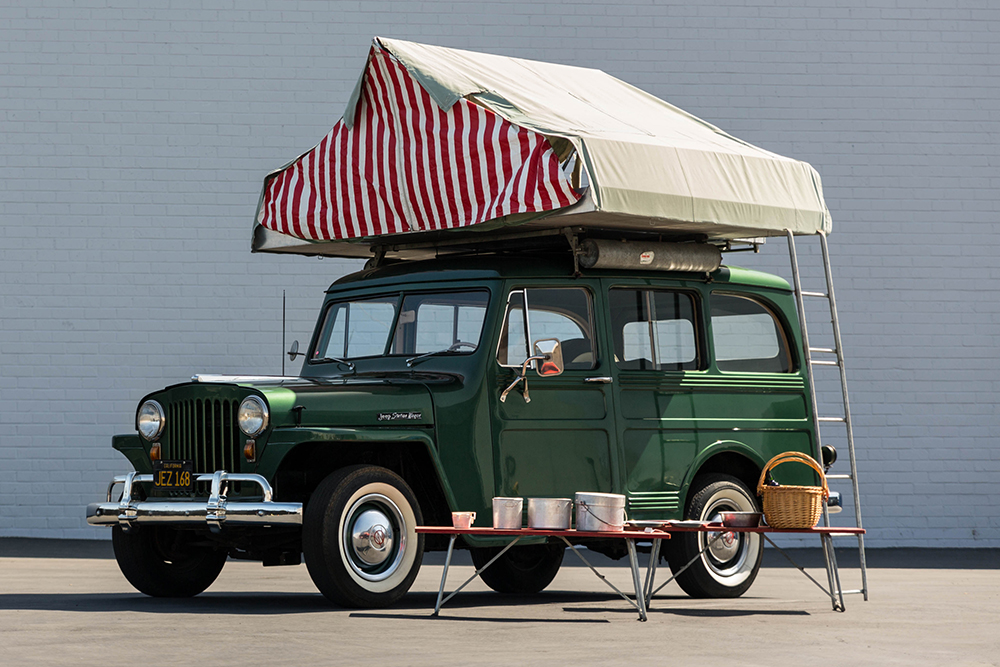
(808, 576)
(832, 573)
(605, 579)
(634, 562)
(444, 575)
(689, 563)
(469, 580)
(654, 559)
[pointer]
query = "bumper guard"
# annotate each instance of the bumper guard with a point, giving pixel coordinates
(216, 513)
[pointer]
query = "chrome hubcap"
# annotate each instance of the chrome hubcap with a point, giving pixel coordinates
(374, 538)
(726, 547)
(726, 555)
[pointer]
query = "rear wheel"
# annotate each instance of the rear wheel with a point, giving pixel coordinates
(521, 570)
(359, 539)
(166, 562)
(730, 565)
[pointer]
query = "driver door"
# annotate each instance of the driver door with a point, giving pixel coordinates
(560, 441)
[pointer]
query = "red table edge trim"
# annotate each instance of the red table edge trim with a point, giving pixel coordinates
(663, 533)
(531, 532)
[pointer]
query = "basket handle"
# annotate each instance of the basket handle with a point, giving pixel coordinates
(797, 457)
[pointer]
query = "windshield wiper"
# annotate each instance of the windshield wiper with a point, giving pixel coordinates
(412, 361)
(334, 360)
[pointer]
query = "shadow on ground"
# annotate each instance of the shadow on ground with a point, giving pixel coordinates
(413, 605)
(958, 559)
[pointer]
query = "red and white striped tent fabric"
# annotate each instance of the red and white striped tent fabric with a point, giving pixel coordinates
(403, 164)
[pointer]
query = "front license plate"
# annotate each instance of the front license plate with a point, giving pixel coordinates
(174, 475)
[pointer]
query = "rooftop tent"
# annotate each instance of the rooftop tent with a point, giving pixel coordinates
(438, 144)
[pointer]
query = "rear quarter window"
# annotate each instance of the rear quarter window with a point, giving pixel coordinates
(747, 337)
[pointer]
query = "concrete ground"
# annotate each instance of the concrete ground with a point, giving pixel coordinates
(65, 602)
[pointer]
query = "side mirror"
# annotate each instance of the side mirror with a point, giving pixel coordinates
(551, 362)
(549, 354)
(293, 351)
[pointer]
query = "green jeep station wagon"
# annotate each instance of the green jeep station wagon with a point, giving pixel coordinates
(544, 312)
(432, 386)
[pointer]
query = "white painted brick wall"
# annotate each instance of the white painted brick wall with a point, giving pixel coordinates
(135, 139)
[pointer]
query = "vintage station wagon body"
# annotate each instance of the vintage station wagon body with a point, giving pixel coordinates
(670, 379)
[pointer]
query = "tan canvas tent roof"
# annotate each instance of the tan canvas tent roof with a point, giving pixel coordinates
(583, 149)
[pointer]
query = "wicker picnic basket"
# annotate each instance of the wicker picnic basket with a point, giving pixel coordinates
(789, 506)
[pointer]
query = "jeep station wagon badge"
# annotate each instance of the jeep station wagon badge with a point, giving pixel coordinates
(396, 416)
(542, 313)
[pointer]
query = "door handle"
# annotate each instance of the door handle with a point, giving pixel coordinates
(599, 380)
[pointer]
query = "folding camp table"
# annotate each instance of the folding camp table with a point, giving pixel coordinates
(643, 590)
(630, 538)
(834, 591)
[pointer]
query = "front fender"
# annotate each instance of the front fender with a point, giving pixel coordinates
(137, 454)
(282, 441)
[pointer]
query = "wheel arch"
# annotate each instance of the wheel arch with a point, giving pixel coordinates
(726, 457)
(305, 465)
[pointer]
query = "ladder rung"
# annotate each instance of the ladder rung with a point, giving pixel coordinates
(831, 419)
(818, 362)
(828, 350)
(838, 477)
(854, 592)
(822, 295)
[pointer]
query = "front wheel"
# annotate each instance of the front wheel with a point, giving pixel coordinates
(359, 537)
(165, 562)
(521, 570)
(730, 565)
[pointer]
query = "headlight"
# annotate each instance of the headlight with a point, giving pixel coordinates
(252, 416)
(150, 420)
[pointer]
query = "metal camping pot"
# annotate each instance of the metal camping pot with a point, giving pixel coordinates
(600, 512)
(550, 513)
(507, 513)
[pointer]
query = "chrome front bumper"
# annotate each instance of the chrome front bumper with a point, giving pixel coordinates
(215, 513)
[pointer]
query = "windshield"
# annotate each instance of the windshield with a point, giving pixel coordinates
(402, 324)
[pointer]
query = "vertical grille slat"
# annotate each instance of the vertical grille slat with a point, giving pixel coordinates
(203, 431)
(217, 436)
(210, 443)
(227, 435)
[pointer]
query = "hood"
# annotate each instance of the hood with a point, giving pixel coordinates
(347, 402)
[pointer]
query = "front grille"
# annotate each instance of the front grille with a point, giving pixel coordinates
(204, 431)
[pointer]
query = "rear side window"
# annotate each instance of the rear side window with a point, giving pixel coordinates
(747, 337)
(654, 330)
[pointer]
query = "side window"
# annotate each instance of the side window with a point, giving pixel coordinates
(561, 313)
(747, 337)
(357, 328)
(432, 322)
(654, 330)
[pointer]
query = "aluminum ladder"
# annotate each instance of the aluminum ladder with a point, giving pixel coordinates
(833, 574)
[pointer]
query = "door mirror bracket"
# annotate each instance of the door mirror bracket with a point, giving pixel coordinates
(549, 352)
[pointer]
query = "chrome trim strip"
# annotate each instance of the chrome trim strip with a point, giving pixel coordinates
(209, 378)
